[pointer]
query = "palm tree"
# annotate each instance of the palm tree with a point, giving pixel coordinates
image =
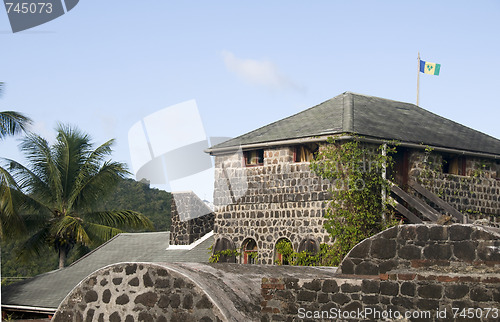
(11, 123)
(62, 184)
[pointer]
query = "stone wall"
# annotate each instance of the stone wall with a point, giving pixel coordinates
(435, 272)
(191, 218)
(416, 246)
(477, 193)
(439, 271)
(137, 292)
(280, 199)
(144, 292)
(417, 297)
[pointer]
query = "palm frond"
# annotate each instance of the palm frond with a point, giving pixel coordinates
(88, 170)
(12, 123)
(70, 230)
(70, 153)
(120, 218)
(35, 244)
(42, 165)
(29, 182)
(93, 188)
(11, 223)
(101, 233)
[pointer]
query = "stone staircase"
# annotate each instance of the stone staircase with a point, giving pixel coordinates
(419, 205)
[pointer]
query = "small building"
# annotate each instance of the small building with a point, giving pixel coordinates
(265, 191)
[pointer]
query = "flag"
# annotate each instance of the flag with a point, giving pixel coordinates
(429, 68)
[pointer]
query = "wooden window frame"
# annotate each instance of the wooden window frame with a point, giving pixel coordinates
(247, 257)
(259, 154)
(312, 150)
(459, 160)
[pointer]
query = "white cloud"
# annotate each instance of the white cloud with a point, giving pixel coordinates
(259, 72)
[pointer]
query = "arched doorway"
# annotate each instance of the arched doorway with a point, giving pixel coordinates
(309, 245)
(224, 244)
(283, 251)
(250, 251)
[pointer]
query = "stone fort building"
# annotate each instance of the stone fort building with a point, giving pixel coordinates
(265, 191)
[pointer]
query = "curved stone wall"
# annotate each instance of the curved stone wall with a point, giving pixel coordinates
(406, 273)
(415, 246)
(137, 292)
(133, 292)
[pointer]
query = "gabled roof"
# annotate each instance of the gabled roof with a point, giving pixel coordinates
(372, 117)
(49, 289)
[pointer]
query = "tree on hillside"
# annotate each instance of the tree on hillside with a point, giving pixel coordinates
(11, 123)
(63, 184)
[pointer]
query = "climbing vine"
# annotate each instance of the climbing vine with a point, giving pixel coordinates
(357, 206)
(325, 257)
(216, 256)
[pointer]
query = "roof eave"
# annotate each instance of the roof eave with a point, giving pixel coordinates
(346, 136)
(30, 309)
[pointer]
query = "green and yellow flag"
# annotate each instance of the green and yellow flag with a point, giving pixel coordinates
(429, 68)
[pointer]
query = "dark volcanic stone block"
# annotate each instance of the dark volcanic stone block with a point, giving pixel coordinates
(422, 233)
(306, 296)
(459, 232)
(361, 250)
(465, 250)
(456, 291)
(480, 294)
(147, 299)
(122, 299)
(330, 286)
(314, 285)
(438, 232)
(340, 298)
(389, 288)
(408, 288)
(437, 251)
(383, 248)
(106, 296)
(90, 296)
(431, 291)
(350, 288)
(410, 252)
(366, 268)
(370, 286)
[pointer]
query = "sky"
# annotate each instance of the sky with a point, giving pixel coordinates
(106, 65)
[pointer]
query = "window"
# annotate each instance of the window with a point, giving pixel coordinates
(254, 157)
(224, 244)
(454, 164)
(305, 152)
(250, 252)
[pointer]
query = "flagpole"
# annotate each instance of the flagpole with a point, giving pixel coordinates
(418, 77)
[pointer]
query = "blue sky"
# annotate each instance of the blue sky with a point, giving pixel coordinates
(105, 65)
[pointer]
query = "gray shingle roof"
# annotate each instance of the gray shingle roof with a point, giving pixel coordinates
(371, 117)
(49, 289)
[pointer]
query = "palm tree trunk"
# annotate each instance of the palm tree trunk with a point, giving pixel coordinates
(62, 257)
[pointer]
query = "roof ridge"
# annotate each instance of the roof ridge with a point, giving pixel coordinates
(347, 112)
